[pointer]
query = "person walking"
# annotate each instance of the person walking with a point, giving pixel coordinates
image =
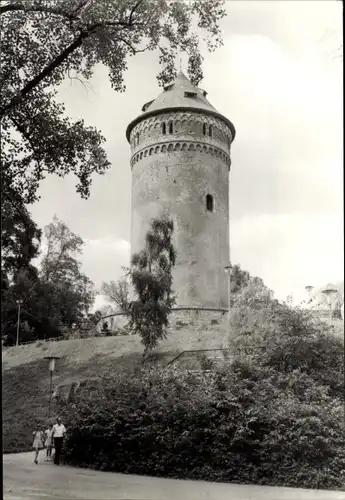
(59, 431)
(38, 443)
(49, 442)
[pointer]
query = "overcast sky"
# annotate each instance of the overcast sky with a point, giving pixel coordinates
(278, 78)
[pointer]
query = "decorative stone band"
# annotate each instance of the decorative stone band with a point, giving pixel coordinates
(182, 120)
(181, 146)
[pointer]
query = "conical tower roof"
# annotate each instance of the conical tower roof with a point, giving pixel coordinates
(179, 95)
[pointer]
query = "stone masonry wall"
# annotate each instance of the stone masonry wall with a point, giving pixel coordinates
(197, 318)
(172, 173)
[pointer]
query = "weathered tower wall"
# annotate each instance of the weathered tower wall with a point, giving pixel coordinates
(177, 160)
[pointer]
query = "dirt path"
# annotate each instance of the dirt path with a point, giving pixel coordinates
(25, 481)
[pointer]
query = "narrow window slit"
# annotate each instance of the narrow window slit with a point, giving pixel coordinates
(209, 203)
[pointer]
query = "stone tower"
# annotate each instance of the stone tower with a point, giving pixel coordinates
(180, 160)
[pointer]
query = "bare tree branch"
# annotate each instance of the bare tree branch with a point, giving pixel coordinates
(131, 48)
(87, 86)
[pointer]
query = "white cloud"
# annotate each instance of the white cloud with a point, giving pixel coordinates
(104, 258)
(108, 244)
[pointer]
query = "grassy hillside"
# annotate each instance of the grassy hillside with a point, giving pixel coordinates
(26, 377)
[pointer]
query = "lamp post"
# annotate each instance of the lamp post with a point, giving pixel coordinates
(51, 367)
(309, 289)
(19, 302)
(228, 271)
(329, 293)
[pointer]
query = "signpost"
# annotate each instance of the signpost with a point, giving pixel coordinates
(228, 271)
(19, 302)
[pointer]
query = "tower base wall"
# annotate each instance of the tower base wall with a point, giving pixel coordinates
(182, 317)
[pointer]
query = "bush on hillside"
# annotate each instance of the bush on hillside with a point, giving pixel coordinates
(241, 424)
(275, 335)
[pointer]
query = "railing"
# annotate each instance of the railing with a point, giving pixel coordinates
(195, 351)
(53, 339)
(61, 338)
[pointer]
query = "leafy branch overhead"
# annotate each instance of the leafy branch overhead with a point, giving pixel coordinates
(44, 42)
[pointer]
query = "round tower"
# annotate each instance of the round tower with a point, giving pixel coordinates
(180, 160)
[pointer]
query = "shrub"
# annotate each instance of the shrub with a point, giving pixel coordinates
(286, 339)
(239, 424)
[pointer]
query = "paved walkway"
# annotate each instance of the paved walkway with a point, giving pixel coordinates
(24, 480)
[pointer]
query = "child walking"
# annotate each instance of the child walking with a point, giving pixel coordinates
(38, 443)
(49, 442)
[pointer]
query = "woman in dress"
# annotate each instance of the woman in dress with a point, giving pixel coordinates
(49, 442)
(38, 443)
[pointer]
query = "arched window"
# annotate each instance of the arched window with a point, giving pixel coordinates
(170, 128)
(209, 203)
(204, 128)
(164, 128)
(137, 139)
(210, 132)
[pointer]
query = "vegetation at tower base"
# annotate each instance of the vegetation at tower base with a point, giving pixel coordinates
(45, 43)
(151, 277)
(271, 413)
(273, 335)
(55, 295)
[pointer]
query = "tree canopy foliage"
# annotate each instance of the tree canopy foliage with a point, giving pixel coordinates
(43, 43)
(55, 294)
(20, 238)
(277, 336)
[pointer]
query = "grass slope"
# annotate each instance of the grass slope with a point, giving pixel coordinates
(25, 392)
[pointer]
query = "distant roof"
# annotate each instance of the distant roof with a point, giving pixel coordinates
(179, 95)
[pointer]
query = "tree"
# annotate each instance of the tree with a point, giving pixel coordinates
(117, 293)
(60, 269)
(55, 296)
(43, 43)
(240, 279)
(151, 277)
(20, 238)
